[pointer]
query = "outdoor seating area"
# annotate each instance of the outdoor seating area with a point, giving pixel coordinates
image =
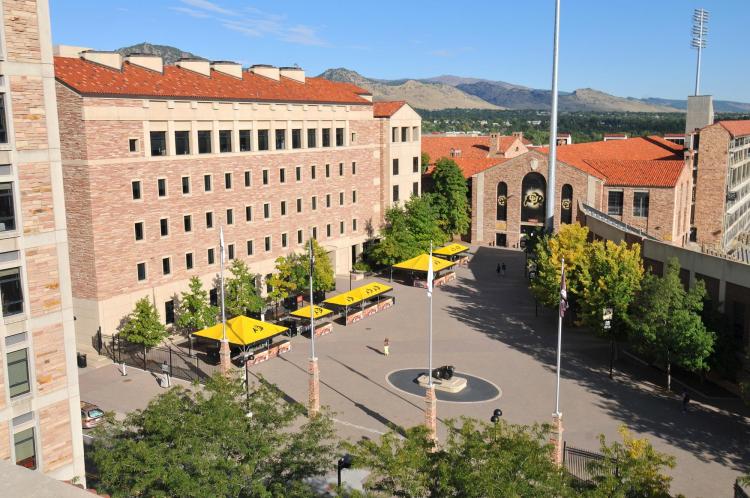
(323, 320)
(416, 269)
(458, 253)
(361, 302)
(252, 340)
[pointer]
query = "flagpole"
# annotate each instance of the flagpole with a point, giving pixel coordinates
(563, 302)
(430, 414)
(224, 351)
(314, 380)
(429, 295)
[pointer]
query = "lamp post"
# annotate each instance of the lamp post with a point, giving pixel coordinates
(345, 462)
(495, 419)
(314, 380)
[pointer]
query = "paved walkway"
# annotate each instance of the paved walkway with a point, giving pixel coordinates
(485, 325)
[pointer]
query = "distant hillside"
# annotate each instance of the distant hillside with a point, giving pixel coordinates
(719, 105)
(419, 94)
(169, 54)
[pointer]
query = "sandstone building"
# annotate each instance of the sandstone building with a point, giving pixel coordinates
(40, 424)
(156, 158)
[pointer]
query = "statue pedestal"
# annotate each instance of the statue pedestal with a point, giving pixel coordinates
(454, 385)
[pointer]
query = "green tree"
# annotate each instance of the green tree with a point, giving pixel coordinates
(669, 325)
(631, 469)
(408, 232)
(611, 279)
(569, 242)
(323, 276)
(241, 296)
(143, 325)
(450, 197)
(194, 311)
(425, 161)
(477, 460)
(214, 442)
(282, 281)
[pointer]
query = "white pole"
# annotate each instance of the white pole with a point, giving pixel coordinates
(549, 218)
(312, 303)
(559, 346)
(221, 277)
(429, 293)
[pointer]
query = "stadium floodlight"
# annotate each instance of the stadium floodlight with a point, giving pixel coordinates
(699, 40)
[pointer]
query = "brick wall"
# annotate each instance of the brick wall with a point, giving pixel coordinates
(710, 192)
(21, 31)
(43, 280)
(70, 117)
(36, 198)
(4, 440)
(29, 114)
(56, 437)
(49, 358)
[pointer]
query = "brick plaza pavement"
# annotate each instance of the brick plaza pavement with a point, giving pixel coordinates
(485, 325)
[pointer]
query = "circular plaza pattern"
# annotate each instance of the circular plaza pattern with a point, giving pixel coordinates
(477, 390)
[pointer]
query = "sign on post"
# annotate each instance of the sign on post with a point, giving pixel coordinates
(607, 317)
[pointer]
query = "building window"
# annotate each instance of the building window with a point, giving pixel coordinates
(299, 236)
(354, 168)
(404, 133)
(189, 261)
(7, 208)
(266, 211)
(328, 200)
(164, 227)
(341, 169)
(161, 185)
(207, 183)
(640, 204)
(415, 164)
(185, 184)
(311, 138)
(415, 133)
(415, 189)
(394, 134)
(299, 205)
(213, 297)
(249, 247)
(395, 193)
(314, 203)
(283, 208)
(283, 240)
(245, 141)
(136, 185)
(328, 170)
(248, 213)
(210, 256)
(282, 175)
(209, 219)
(141, 271)
(328, 230)
(225, 140)
(395, 166)
(502, 202)
(326, 137)
(230, 217)
(248, 179)
(533, 197)
(230, 252)
(566, 204)
(166, 266)
(265, 177)
(132, 143)
(354, 196)
(341, 198)
(341, 227)
(614, 203)
(354, 225)
(296, 138)
(204, 142)
(24, 445)
(169, 312)
(315, 233)
(10, 288)
(280, 139)
(139, 231)
(267, 243)
(339, 137)
(262, 139)
(298, 173)
(312, 172)
(227, 181)
(18, 373)
(182, 143)
(158, 143)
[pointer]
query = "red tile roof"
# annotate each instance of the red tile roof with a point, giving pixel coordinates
(505, 142)
(737, 128)
(639, 173)
(91, 79)
(474, 151)
(387, 109)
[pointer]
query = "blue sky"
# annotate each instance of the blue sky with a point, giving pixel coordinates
(635, 48)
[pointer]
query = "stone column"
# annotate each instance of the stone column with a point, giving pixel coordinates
(225, 357)
(430, 412)
(314, 391)
(556, 439)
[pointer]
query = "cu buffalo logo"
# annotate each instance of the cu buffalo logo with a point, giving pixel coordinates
(566, 203)
(257, 329)
(501, 200)
(533, 200)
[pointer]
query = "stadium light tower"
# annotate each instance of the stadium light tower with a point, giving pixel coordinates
(698, 42)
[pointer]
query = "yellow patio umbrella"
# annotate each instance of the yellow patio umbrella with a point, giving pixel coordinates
(450, 250)
(242, 330)
(357, 295)
(421, 263)
(305, 312)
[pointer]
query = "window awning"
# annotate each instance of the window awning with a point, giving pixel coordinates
(359, 294)
(242, 330)
(450, 250)
(305, 312)
(421, 263)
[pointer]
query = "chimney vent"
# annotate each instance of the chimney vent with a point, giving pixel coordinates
(109, 59)
(196, 65)
(266, 70)
(149, 61)
(228, 67)
(69, 51)
(293, 73)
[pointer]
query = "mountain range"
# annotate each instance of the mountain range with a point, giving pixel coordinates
(458, 92)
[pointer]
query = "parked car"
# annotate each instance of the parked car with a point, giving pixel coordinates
(91, 415)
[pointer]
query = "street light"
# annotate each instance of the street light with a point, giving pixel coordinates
(495, 418)
(345, 462)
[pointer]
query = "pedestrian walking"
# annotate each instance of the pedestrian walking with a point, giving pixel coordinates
(498, 269)
(502, 270)
(386, 347)
(685, 401)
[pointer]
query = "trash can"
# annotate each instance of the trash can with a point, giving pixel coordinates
(82, 360)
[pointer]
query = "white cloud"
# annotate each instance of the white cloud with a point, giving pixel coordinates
(209, 6)
(191, 12)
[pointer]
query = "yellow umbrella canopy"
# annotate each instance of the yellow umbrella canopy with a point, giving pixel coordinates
(421, 262)
(305, 312)
(450, 250)
(242, 330)
(357, 295)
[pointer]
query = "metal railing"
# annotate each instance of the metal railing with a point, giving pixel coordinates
(585, 466)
